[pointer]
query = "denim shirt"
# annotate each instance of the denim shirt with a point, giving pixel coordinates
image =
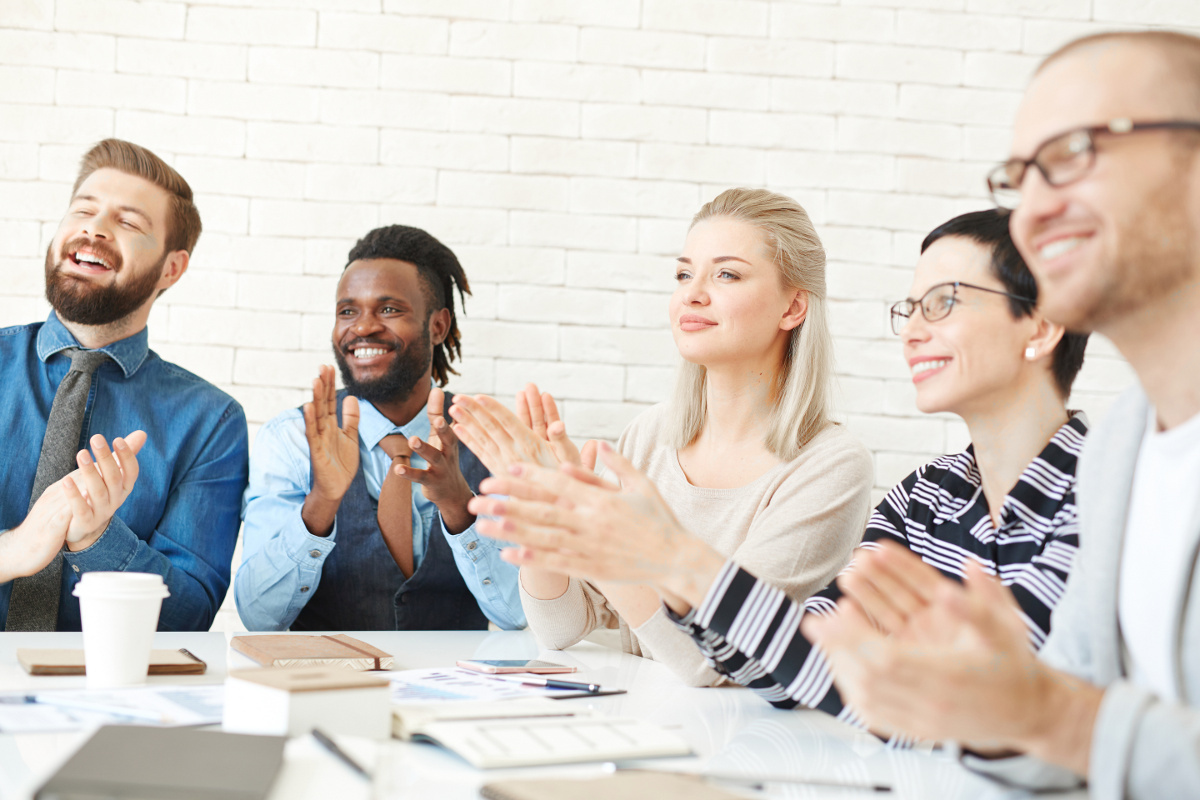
(281, 560)
(181, 519)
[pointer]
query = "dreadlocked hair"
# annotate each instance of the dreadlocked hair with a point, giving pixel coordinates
(440, 275)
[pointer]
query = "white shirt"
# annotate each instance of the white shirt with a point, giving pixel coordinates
(1161, 508)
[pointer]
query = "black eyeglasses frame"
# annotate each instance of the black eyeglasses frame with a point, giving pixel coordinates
(901, 310)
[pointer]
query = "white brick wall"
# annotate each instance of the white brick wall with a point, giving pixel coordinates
(559, 146)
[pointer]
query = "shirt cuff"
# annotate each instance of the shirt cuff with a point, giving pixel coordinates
(305, 548)
(468, 542)
(113, 550)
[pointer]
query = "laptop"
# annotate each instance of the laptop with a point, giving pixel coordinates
(144, 763)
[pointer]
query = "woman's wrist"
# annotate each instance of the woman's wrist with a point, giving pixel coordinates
(693, 571)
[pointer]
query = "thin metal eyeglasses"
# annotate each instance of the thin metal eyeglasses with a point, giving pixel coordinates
(938, 302)
(1067, 157)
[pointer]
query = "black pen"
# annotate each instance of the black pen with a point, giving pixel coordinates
(551, 683)
(756, 782)
(339, 753)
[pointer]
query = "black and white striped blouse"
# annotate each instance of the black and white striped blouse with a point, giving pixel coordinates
(749, 630)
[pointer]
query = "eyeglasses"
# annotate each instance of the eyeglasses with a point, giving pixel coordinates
(938, 302)
(1065, 158)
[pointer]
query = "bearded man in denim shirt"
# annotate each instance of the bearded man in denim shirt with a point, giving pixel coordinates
(166, 498)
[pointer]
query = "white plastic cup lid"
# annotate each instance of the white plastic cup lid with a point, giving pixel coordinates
(140, 584)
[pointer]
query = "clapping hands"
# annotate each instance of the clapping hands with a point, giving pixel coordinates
(75, 510)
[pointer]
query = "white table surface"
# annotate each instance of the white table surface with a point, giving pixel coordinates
(729, 729)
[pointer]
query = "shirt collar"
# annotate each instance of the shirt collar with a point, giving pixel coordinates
(373, 425)
(129, 353)
(1076, 426)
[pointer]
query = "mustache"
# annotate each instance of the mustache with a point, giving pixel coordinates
(369, 340)
(100, 247)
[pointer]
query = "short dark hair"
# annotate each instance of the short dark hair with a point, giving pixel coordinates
(990, 229)
(440, 275)
(183, 220)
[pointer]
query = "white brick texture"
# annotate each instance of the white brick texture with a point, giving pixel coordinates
(560, 147)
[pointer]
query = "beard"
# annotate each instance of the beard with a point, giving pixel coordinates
(408, 367)
(76, 299)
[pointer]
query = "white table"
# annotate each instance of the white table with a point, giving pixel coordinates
(729, 729)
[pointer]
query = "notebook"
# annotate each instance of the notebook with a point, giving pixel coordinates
(126, 761)
(625, 784)
(61, 661)
(531, 741)
(338, 650)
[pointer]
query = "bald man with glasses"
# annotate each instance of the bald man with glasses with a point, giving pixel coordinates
(1104, 184)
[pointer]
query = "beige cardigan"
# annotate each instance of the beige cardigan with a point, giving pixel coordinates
(794, 526)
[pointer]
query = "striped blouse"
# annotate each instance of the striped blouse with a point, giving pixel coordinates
(749, 630)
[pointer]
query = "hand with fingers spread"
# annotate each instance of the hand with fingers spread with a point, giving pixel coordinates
(571, 521)
(496, 435)
(97, 489)
(442, 481)
(333, 452)
(539, 412)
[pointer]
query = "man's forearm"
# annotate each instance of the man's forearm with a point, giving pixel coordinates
(319, 513)
(1063, 732)
(455, 515)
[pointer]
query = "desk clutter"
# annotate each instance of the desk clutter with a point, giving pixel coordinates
(331, 683)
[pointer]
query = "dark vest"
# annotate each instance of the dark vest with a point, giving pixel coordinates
(362, 589)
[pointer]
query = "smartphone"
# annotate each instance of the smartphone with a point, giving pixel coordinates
(516, 665)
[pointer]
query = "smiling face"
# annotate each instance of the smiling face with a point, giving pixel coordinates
(106, 259)
(729, 305)
(969, 361)
(383, 337)
(1123, 236)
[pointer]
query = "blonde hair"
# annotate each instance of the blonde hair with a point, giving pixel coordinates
(801, 393)
(183, 220)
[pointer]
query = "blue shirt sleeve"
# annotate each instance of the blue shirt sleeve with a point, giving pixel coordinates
(192, 544)
(281, 561)
(492, 581)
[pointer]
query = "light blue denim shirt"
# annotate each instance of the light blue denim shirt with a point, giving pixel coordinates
(181, 519)
(281, 560)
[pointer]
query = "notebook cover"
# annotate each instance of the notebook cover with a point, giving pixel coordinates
(167, 764)
(629, 784)
(274, 650)
(309, 679)
(65, 661)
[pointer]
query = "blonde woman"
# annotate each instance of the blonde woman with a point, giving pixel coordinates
(745, 451)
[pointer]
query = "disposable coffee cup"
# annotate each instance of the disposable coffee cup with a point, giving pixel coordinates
(119, 611)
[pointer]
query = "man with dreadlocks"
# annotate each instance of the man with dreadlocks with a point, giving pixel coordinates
(337, 536)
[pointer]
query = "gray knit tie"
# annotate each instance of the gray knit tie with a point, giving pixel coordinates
(34, 602)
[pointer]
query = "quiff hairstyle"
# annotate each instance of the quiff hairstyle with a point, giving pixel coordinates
(801, 394)
(183, 220)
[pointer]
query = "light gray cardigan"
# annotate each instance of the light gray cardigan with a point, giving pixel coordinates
(1142, 746)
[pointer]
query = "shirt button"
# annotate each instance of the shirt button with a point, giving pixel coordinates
(315, 553)
(303, 588)
(403, 599)
(472, 545)
(487, 581)
(75, 567)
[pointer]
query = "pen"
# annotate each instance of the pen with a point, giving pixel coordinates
(757, 782)
(339, 753)
(551, 683)
(193, 656)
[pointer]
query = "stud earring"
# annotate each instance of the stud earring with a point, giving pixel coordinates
(1030, 354)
